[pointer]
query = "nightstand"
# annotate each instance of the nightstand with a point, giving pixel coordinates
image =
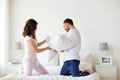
(11, 68)
(106, 72)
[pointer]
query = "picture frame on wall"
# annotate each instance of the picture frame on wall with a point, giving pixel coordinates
(106, 60)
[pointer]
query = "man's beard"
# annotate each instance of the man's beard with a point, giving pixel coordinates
(67, 30)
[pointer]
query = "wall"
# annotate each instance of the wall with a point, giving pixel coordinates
(97, 21)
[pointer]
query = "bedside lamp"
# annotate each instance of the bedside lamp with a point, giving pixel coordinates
(15, 60)
(18, 45)
(105, 59)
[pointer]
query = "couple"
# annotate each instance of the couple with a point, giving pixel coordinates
(30, 62)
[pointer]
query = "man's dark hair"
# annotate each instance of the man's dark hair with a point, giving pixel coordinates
(68, 21)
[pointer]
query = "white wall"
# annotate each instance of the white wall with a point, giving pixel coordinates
(97, 21)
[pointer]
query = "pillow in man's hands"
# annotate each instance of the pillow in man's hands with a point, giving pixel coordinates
(60, 42)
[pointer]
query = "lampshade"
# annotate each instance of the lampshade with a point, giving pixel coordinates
(103, 46)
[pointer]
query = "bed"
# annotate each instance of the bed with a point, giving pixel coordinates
(54, 67)
(53, 75)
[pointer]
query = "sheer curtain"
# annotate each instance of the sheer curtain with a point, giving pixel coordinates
(3, 34)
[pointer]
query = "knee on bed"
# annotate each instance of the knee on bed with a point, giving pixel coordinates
(65, 74)
(75, 75)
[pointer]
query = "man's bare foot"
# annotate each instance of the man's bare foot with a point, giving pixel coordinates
(90, 71)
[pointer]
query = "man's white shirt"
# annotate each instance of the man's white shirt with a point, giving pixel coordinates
(73, 53)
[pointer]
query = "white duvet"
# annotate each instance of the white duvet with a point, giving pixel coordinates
(53, 75)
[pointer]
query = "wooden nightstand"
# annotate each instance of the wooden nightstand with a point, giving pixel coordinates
(106, 72)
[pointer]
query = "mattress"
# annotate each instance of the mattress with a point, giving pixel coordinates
(53, 75)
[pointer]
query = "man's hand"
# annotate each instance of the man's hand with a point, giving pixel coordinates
(62, 51)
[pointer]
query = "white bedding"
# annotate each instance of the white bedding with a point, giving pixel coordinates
(53, 75)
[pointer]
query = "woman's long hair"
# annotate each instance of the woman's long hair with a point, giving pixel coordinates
(30, 27)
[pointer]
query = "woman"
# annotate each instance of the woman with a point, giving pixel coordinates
(30, 62)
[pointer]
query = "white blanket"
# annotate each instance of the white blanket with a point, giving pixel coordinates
(54, 75)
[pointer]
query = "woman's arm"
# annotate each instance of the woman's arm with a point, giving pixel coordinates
(41, 43)
(34, 46)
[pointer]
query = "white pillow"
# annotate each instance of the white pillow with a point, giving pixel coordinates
(51, 54)
(54, 69)
(61, 58)
(85, 61)
(86, 58)
(43, 59)
(85, 66)
(60, 42)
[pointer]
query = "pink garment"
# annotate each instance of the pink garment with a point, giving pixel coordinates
(33, 67)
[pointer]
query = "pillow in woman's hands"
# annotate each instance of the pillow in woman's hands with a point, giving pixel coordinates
(51, 54)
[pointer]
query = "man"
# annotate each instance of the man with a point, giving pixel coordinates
(71, 56)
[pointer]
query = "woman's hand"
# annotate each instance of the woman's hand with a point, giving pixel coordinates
(48, 48)
(44, 40)
(55, 51)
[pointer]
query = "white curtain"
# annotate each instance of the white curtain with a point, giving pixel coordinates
(3, 34)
